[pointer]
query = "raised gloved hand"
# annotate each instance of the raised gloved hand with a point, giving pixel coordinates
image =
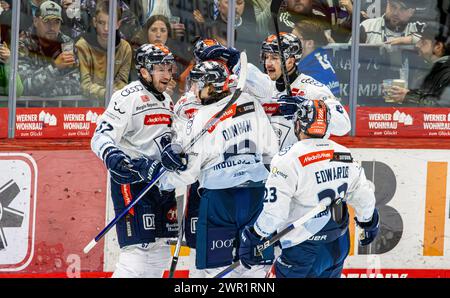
(146, 168)
(249, 249)
(289, 105)
(218, 52)
(369, 229)
(173, 158)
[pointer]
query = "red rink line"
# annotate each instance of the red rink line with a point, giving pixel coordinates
(395, 273)
(178, 274)
(55, 275)
(349, 273)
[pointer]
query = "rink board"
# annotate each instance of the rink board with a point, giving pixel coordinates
(63, 204)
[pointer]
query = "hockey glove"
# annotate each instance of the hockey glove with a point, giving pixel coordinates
(120, 166)
(217, 52)
(146, 168)
(369, 229)
(173, 158)
(289, 105)
(250, 249)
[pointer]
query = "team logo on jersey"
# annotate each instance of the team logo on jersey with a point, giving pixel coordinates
(276, 172)
(313, 157)
(172, 214)
(157, 119)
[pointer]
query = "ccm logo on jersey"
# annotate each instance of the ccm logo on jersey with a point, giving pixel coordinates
(315, 157)
(157, 119)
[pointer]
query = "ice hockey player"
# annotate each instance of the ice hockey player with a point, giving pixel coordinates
(130, 138)
(311, 170)
(270, 89)
(229, 162)
(187, 107)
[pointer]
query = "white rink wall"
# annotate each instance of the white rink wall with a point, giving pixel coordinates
(414, 233)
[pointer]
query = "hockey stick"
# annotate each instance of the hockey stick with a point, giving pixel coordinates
(211, 123)
(237, 93)
(176, 253)
(274, 9)
(322, 206)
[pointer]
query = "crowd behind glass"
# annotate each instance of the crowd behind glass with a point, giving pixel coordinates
(404, 52)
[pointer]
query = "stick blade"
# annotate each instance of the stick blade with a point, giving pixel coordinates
(275, 6)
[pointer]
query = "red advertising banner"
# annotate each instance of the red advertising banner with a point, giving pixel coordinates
(403, 122)
(371, 121)
(3, 123)
(56, 122)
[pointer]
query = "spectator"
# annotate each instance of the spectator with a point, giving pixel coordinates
(75, 20)
(395, 26)
(5, 5)
(246, 37)
(29, 8)
(300, 10)
(155, 31)
(131, 19)
(339, 14)
(433, 46)
(46, 70)
(5, 53)
(92, 53)
(315, 60)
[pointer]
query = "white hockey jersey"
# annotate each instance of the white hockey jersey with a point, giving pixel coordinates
(232, 152)
(302, 175)
(136, 122)
(304, 86)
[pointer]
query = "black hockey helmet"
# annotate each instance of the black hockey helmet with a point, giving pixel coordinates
(313, 118)
(200, 45)
(148, 55)
(213, 73)
(291, 45)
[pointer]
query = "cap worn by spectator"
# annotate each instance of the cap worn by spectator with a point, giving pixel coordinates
(49, 10)
(414, 4)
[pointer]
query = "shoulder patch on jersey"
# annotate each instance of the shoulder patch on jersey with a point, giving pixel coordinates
(285, 150)
(342, 157)
(315, 156)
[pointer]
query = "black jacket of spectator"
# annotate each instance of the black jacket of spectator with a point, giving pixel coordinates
(433, 86)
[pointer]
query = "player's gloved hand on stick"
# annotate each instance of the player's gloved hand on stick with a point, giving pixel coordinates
(120, 166)
(173, 158)
(289, 105)
(147, 168)
(370, 229)
(249, 249)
